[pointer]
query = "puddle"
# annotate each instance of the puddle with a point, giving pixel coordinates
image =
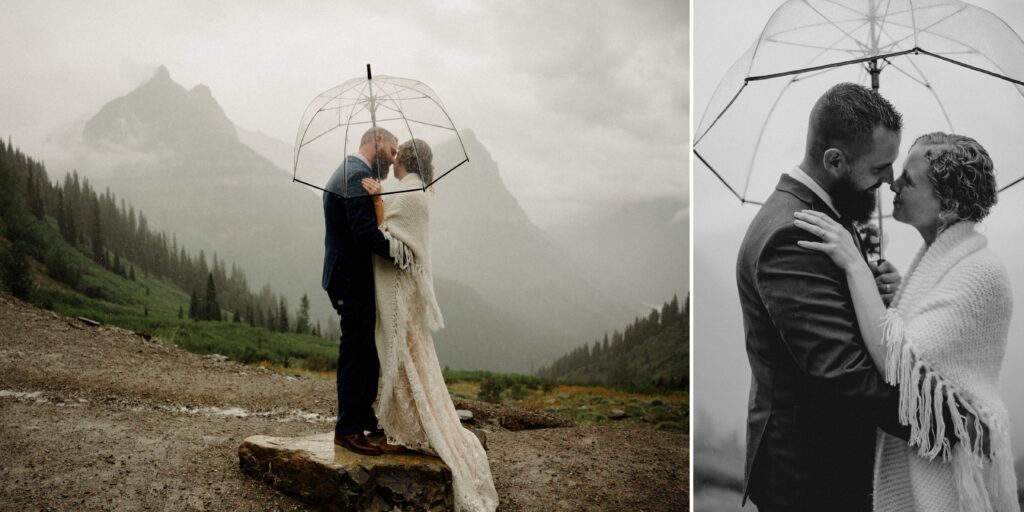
(35, 395)
(211, 412)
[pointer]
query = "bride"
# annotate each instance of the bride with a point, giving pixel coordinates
(413, 406)
(942, 339)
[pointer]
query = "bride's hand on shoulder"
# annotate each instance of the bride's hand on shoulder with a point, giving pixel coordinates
(371, 186)
(836, 241)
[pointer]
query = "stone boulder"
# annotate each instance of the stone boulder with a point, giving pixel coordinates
(315, 471)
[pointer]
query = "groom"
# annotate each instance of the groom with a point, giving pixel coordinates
(352, 238)
(815, 395)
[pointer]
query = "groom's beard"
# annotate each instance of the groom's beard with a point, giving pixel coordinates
(381, 168)
(851, 203)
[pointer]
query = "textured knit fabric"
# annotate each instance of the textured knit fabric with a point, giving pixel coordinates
(945, 335)
(413, 405)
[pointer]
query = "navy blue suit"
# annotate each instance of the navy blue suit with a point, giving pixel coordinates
(351, 240)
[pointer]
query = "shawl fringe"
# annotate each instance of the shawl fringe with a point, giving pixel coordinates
(932, 395)
(925, 399)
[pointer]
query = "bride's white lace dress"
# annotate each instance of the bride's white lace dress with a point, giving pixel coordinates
(413, 405)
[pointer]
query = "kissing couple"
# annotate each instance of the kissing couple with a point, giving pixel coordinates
(872, 391)
(377, 274)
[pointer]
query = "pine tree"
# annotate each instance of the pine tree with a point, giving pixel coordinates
(236, 319)
(181, 312)
(282, 316)
(16, 270)
(302, 319)
(211, 309)
(98, 254)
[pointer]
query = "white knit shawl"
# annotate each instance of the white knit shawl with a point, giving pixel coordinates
(413, 405)
(405, 298)
(945, 335)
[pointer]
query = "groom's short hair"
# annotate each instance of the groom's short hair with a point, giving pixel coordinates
(372, 133)
(845, 117)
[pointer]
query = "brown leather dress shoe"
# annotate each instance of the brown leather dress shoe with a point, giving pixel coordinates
(357, 442)
(378, 439)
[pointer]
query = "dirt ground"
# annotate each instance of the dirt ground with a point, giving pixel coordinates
(99, 418)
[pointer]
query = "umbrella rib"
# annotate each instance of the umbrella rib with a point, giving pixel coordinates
(814, 25)
(1012, 183)
(973, 68)
(927, 85)
(760, 135)
(802, 77)
(331, 129)
(927, 30)
(831, 65)
(446, 173)
(720, 114)
(719, 176)
(452, 128)
(922, 81)
(339, 93)
(881, 26)
(814, 47)
(305, 142)
(325, 109)
(443, 111)
(837, 27)
(847, 7)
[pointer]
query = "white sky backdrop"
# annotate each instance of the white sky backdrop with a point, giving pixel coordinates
(721, 372)
(557, 91)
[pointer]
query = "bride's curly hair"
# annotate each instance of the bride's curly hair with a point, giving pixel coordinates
(962, 174)
(416, 156)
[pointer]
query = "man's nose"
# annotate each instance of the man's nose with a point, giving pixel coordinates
(887, 176)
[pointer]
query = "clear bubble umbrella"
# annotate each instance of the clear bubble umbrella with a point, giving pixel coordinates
(335, 121)
(945, 64)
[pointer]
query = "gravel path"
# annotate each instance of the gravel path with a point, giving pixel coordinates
(97, 418)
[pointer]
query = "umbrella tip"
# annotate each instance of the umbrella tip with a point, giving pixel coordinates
(369, 76)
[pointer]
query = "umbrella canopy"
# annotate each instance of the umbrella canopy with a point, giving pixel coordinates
(944, 64)
(335, 121)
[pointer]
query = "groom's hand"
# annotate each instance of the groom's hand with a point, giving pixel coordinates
(887, 279)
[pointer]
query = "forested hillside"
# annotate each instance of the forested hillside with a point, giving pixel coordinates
(653, 352)
(65, 246)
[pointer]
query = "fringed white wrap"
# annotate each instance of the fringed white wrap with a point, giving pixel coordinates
(944, 339)
(413, 405)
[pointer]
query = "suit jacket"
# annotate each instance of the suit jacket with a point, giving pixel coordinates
(816, 397)
(351, 234)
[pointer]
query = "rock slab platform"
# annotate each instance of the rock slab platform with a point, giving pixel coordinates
(315, 471)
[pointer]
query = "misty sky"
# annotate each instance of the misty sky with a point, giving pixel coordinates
(582, 103)
(721, 372)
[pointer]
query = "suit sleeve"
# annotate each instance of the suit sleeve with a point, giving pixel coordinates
(362, 219)
(809, 301)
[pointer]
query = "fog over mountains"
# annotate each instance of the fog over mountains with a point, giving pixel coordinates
(513, 296)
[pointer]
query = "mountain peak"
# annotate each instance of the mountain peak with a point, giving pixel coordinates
(201, 91)
(161, 113)
(161, 75)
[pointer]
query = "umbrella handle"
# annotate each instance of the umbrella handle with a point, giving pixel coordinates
(369, 75)
(881, 246)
